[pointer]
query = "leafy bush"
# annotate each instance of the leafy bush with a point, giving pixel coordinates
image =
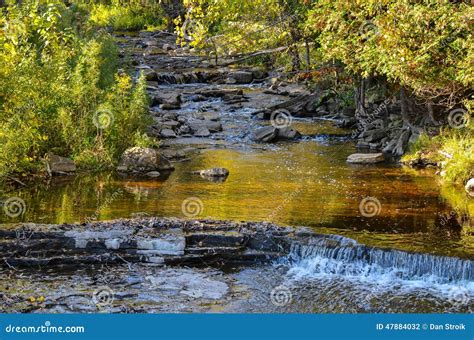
(60, 91)
(132, 15)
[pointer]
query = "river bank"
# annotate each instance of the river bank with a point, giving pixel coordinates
(204, 118)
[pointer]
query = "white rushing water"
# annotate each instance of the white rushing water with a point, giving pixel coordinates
(381, 270)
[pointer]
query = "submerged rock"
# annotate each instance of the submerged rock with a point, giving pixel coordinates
(58, 165)
(143, 160)
(366, 158)
(470, 187)
(214, 172)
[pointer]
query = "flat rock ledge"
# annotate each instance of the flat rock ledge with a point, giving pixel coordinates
(148, 240)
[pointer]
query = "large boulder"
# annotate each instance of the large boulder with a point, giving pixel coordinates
(366, 158)
(143, 160)
(57, 165)
(470, 187)
(242, 77)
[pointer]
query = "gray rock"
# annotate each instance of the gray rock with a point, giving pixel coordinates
(366, 158)
(143, 160)
(196, 124)
(213, 172)
(288, 133)
(153, 174)
(170, 123)
(271, 134)
(184, 130)
(470, 187)
(265, 135)
(59, 165)
(167, 47)
(202, 132)
(169, 106)
(150, 75)
(212, 116)
(167, 133)
(242, 77)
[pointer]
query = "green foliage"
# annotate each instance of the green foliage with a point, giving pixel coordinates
(60, 91)
(452, 151)
(130, 15)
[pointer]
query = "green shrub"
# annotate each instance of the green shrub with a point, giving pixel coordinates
(60, 91)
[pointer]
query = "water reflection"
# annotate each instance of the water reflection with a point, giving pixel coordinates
(304, 183)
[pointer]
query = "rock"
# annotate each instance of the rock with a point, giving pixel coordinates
(373, 135)
(170, 124)
(143, 160)
(288, 133)
(242, 77)
(167, 133)
(470, 187)
(184, 130)
(59, 165)
(167, 47)
(173, 154)
(202, 132)
(153, 174)
(173, 99)
(366, 158)
(214, 172)
(170, 106)
(150, 75)
(231, 81)
(266, 134)
(259, 73)
(271, 134)
(197, 124)
(212, 116)
(402, 142)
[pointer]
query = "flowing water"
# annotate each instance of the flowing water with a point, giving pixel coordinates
(398, 249)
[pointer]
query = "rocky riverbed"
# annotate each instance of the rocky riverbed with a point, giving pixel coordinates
(172, 265)
(237, 144)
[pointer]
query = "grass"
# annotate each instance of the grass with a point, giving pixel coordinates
(60, 91)
(452, 151)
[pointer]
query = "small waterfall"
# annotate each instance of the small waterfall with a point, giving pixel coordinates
(337, 255)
